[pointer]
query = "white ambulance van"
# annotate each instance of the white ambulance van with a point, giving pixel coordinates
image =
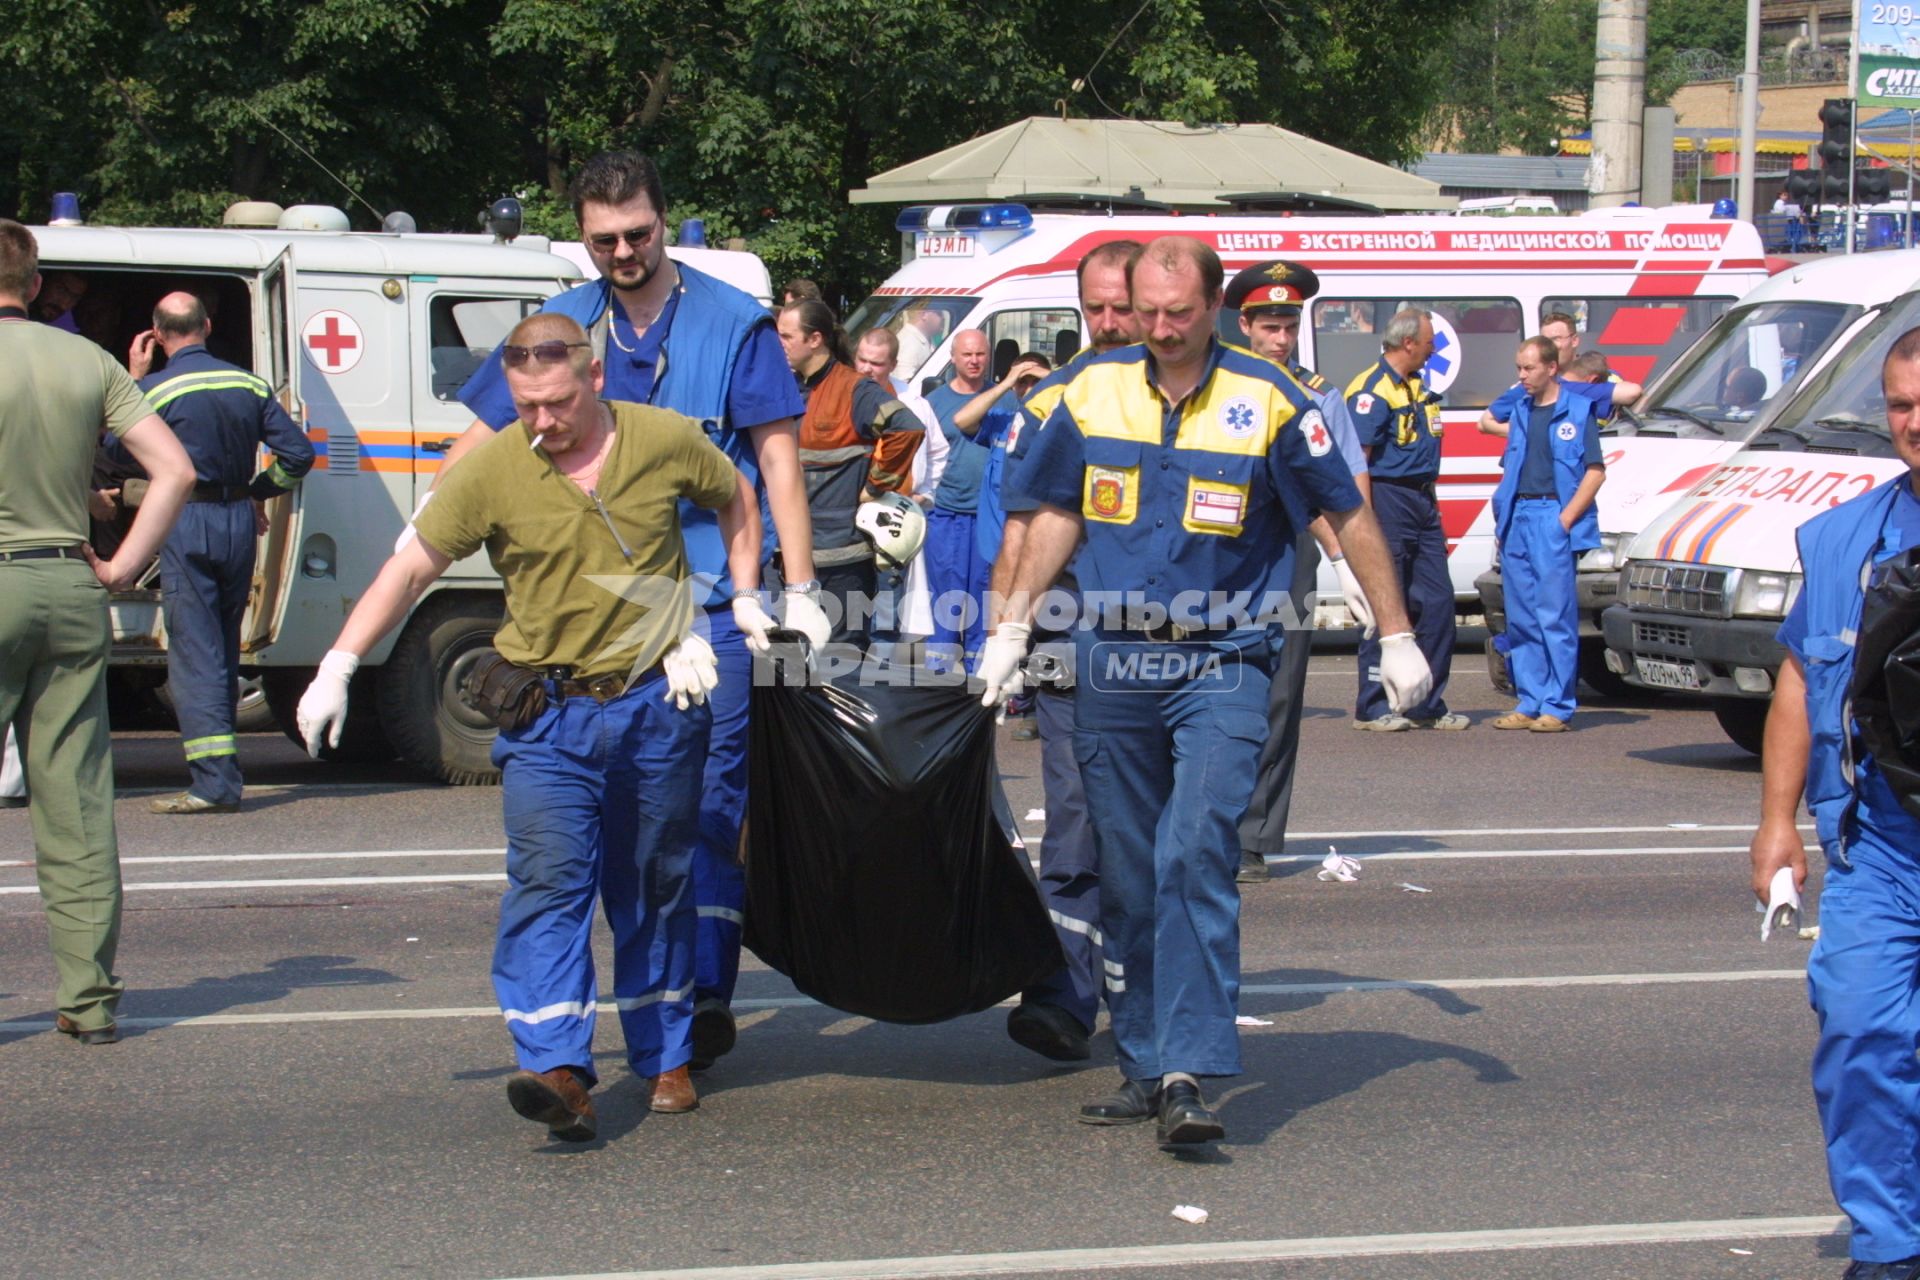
(1706, 584)
(368, 339)
(1645, 284)
(1686, 424)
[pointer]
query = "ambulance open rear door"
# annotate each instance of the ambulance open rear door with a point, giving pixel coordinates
(275, 358)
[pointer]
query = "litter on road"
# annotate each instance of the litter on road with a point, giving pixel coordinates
(1190, 1213)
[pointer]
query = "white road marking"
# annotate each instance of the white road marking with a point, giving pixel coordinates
(1520, 831)
(317, 882)
(1452, 855)
(1088, 1261)
(847, 1024)
(353, 855)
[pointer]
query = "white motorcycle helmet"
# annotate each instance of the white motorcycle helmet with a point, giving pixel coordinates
(896, 527)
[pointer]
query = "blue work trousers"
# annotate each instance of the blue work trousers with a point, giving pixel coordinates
(1069, 869)
(1417, 546)
(1168, 758)
(1861, 979)
(601, 799)
(1543, 622)
(957, 577)
(206, 566)
(719, 881)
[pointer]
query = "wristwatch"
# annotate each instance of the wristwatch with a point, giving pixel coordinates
(811, 587)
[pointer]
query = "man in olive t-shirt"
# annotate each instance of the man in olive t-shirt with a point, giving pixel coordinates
(576, 504)
(57, 393)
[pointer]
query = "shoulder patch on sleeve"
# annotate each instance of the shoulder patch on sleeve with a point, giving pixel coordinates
(1363, 403)
(1314, 428)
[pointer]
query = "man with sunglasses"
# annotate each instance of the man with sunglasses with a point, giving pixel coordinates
(671, 336)
(600, 789)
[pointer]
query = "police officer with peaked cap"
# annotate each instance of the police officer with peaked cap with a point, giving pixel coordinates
(1268, 297)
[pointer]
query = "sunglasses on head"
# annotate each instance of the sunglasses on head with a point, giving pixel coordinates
(634, 236)
(545, 352)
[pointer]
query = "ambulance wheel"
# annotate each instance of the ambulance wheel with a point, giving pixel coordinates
(361, 740)
(430, 724)
(1593, 669)
(1744, 720)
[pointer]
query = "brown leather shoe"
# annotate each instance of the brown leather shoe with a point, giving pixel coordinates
(558, 1099)
(98, 1035)
(673, 1092)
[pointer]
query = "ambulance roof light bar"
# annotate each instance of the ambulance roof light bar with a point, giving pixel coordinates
(964, 217)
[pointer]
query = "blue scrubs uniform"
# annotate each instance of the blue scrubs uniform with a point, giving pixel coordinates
(1862, 975)
(1189, 510)
(957, 572)
(1401, 435)
(222, 414)
(761, 391)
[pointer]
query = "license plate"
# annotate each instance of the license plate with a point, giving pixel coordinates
(945, 246)
(1666, 675)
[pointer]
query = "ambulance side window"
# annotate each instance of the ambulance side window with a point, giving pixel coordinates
(1052, 332)
(1473, 343)
(1639, 337)
(464, 333)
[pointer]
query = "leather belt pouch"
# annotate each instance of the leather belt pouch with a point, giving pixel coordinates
(509, 695)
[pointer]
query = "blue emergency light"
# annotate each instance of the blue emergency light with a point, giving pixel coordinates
(964, 217)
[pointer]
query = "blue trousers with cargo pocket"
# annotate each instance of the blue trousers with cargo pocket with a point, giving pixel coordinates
(206, 567)
(1168, 740)
(1543, 616)
(602, 800)
(1417, 545)
(1864, 982)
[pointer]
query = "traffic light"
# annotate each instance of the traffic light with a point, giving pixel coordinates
(1872, 186)
(1836, 134)
(1803, 188)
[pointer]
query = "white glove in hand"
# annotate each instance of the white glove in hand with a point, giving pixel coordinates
(1355, 595)
(754, 622)
(1404, 675)
(323, 707)
(691, 672)
(1000, 660)
(804, 614)
(408, 534)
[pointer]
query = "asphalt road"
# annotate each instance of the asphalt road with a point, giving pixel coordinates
(1572, 1055)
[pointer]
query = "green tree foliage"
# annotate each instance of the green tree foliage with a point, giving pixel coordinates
(763, 115)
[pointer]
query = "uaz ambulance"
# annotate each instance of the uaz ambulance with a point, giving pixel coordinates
(368, 338)
(1706, 584)
(1644, 284)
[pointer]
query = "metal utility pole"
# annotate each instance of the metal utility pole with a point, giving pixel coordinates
(1749, 116)
(1619, 99)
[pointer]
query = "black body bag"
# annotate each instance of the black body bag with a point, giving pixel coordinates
(1886, 675)
(879, 877)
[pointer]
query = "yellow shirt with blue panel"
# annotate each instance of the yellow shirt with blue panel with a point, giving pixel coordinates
(1397, 427)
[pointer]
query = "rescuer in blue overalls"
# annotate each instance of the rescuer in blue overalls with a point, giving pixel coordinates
(1395, 420)
(222, 414)
(1188, 466)
(676, 338)
(1864, 974)
(1544, 517)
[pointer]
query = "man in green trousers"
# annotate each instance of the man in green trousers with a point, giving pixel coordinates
(58, 392)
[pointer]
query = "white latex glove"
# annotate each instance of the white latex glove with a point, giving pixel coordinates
(1355, 595)
(691, 671)
(1404, 675)
(754, 622)
(323, 707)
(408, 534)
(804, 614)
(1000, 660)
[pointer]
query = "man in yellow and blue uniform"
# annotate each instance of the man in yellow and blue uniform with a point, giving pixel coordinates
(222, 414)
(1188, 467)
(1864, 974)
(1398, 427)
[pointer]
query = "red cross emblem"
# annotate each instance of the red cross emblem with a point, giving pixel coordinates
(1318, 436)
(333, 340)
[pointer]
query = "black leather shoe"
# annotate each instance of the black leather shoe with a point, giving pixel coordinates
(13, 802)
(713, 1032)
(1905, 1269)
(1253, 869)
(1132, 1103)
(1048, 1030)
(1184, 1118)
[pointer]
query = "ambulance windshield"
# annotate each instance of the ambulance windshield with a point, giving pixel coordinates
(1726, 383)
(1842, 408)
(921, 324)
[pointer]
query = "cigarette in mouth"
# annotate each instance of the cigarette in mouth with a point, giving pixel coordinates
(537, 439)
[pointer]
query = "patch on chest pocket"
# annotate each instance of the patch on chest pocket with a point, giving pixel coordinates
(1112, 494)
(1215, 507)
(1566, 431)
